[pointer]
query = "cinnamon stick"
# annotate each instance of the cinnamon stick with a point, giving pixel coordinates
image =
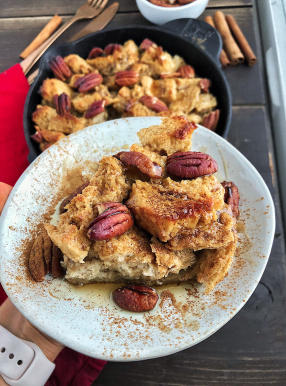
(241, 40)
(42, 36)
(233, 51)
(223, 56)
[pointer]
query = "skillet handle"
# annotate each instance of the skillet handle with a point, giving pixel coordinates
(198, 32)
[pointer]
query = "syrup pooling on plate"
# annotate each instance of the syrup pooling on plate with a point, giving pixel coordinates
(181, 226)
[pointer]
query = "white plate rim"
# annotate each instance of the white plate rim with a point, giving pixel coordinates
(149, 353)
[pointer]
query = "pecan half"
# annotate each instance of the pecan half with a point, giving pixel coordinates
(67, 200)
(190, 164)
(210, 121)
(37, 137)
(115, 220)
(56, 267)
(95, 52)
(62, 103)
(135, 298)
(205, 85)
(110, 48)
(132, 102)
(141, 162)
(95, 109)
(45, 257)
(88, 82)
(186, 71)
(37, 264)
(126, 78)
(153, 103)
(146, 43)
(60, 68)
(231, 196)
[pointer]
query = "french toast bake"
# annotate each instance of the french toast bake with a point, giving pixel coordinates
(120, 80)
(154, 214)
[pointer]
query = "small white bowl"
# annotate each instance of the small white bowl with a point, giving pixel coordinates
(161, 15)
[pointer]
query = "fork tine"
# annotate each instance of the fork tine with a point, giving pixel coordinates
(98, 3)
(95, 3)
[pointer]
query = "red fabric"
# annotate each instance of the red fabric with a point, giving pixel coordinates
(72, 368)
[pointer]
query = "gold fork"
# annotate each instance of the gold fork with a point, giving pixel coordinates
(87, 11)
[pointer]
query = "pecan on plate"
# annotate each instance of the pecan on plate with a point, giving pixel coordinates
(231, 196)
(56, 267)
(115, 220)
(62, 103)
(126, 78)
(88, 82)
(60, 68)
(135, 298)
(190, 164)
(68, 199)
(153, 103)
(141, 162)
(45, 257)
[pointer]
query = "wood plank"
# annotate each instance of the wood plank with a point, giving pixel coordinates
(245, 82)
(19, 8)
(249, 349)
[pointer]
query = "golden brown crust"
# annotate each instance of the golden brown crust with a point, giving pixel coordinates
(52, 87)
(173, 207)
(159, 75)
(172, 219)
(174, 134)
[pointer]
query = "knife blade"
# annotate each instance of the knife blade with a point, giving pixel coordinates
(98, 23)
(95, 25)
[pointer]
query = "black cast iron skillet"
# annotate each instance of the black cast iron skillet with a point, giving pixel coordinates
(196, 41)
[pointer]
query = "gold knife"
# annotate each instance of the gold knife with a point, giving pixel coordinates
(95, 25)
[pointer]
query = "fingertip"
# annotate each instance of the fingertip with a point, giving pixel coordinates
(5, 190)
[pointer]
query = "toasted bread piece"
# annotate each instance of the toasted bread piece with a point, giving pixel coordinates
(174, 134)
(206, 236)
(161, 61)
(164, 89)
(51, 87)
(173, 207)
(107, 184)
(78, 65)
(205, 103)
(174, 261)
(213, 265)
(82, 102)
(43, 115)
(129, 257)
(50, 136)
(120, 60)
(187, 99)
(67, 123)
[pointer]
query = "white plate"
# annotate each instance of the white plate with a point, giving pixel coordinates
(86, 319)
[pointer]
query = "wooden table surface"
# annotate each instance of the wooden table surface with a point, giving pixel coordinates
(251, 348)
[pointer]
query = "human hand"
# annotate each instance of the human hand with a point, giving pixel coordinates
(15, 322)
